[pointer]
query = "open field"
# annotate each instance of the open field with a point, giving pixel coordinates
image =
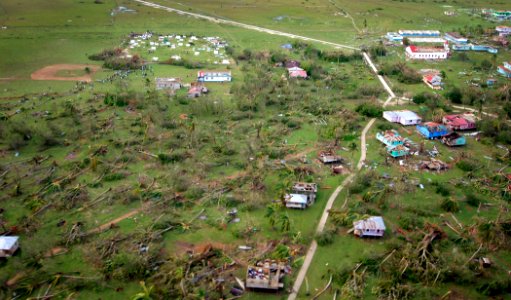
(122, 191)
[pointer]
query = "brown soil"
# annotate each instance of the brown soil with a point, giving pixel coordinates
(117, 220)
(15, 279)
(50, 72)
(55, 251)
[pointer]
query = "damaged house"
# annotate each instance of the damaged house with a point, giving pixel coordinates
(197, 89)
(390, 138)
(460, 122)
(432, 130)
(398, 151)
(267, 275)
(302, 195)
(372, 226)
(453, 139)
(329, 157)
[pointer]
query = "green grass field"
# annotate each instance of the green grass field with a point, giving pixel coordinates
(72, 161)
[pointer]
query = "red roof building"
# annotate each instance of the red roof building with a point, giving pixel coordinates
(459, 122)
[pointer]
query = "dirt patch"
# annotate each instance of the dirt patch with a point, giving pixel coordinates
(117, 220)
(65, 72)
(55, 251)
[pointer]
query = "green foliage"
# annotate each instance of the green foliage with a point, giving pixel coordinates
(114, 176)
(454, 95)
(466, 165)
(175, 156)
(472, 199)
(369, 109)
(404, 73)
(326, 237)
(281, 252)
(378, 50)
(450, 205)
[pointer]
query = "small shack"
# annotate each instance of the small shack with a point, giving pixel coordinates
(404, 117)
(267, 275)
(372, 226)
(302, 195)
(197, 89)
(297, 72)
(432, 130)
(398, 151)
(390, 138)
(168, 83)
(453, 139)
(433, 165)
(8, 245)
(329, 157)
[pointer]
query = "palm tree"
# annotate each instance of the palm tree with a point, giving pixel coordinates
(285, 223)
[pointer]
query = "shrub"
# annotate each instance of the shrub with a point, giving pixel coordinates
(466, 166)
(442, 190)
(369, 110)
(326, 237)
(454, 95)
(472, 199)
(450, 205)
(114, 176)
(175, 156)
(105, 54)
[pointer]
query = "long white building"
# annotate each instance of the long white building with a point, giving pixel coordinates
(427, 53)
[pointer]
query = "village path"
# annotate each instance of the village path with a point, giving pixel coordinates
(324, 217)
(243, 25)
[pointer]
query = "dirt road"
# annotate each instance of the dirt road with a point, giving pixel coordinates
(242, 25)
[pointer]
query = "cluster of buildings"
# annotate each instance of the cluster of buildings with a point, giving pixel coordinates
(446, 131)
(499, 15)
(192, 44)
(195, 89)
(438, 47)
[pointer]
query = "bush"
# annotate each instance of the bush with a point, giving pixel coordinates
(378, 50)
(175, 156)
(442, 190)
(454, 95)
(466, 166)
(450, 205)
(369, 110)
(472, 200)
(114, 176)
(326, 237)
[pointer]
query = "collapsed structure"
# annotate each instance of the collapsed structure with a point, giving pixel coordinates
(267, 275)
(329, 157)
